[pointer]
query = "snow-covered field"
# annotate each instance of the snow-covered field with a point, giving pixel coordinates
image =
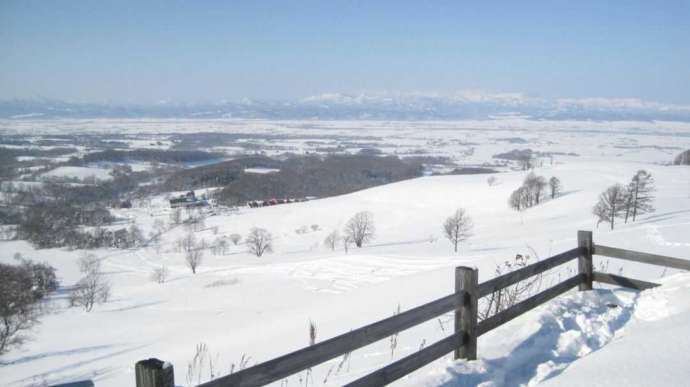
(243, 306)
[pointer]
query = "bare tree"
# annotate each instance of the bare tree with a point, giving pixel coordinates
(347, 241)
(611, 204)
(332, 240)
(555, 186)
(457, 227)
(539, 187)
(18, 309)
(360, 228)
(491, 181)
(600, 211)
(525, 161)
(535, 186)
(518, 199)
(193, 251)
(235, 238)
(640, 195)
(92, 288)
(259, 241)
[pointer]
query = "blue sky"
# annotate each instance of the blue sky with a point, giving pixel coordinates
(206, 50)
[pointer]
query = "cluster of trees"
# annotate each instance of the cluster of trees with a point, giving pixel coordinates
(627, 202)
(52, 224)
(302, 176)
(151, 155)
(214, 175)
(533, 190)
(22, 288)
(123, 238)
(359, 230)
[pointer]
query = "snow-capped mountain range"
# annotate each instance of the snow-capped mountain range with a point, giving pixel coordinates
(389, 106)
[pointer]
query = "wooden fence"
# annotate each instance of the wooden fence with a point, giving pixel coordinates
(463, 342)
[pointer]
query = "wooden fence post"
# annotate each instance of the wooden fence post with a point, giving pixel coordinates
(466, 279)
(154, 373)
(584, 262)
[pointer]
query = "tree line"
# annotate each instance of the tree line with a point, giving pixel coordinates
(533, 190)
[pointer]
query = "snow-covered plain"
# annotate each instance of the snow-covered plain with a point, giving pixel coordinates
(240, 305)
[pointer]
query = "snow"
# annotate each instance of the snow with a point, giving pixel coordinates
(261, 170)
(608, 337)
(651, 350)
(80, 172)
(241, 305)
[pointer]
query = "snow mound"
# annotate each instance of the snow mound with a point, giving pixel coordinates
(605, 337)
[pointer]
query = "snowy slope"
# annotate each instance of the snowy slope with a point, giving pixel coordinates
(261, 307)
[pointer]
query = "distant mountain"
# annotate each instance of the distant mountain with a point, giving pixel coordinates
(410, 106)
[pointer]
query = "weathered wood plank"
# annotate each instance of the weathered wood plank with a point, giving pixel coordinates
(83, 383)
(410, 363)
(636, 256)
(520, 308)
(286, 365)
(466, 279)
(613, 279)
(584, 261)
(516, 276)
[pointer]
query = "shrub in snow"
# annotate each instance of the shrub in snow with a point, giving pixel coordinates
(360, 228)
(222, 282)
(503, 299)
(160, 274)
(235, 238)
(259, 241)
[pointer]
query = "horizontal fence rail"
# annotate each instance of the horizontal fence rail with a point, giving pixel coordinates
(636, 256)
(520, 308)
(406, 365)
(467, 327)
(626, 282)
(302, 359)
(516, 276)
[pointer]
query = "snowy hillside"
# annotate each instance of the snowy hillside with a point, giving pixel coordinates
(242, 306)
